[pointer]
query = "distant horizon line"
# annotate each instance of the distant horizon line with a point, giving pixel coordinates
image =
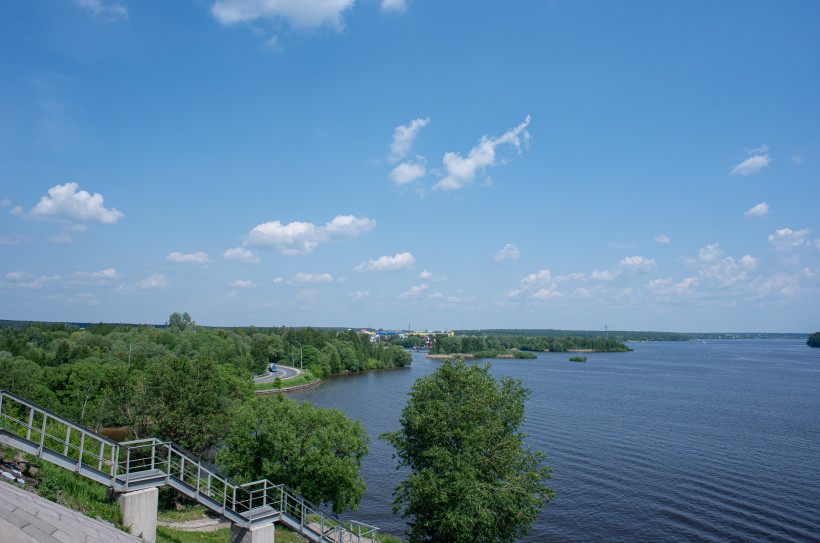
(83, 324)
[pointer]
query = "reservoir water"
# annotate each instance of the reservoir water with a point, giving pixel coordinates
(675, 441)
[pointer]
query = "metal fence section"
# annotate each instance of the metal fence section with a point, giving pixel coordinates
(148, 463)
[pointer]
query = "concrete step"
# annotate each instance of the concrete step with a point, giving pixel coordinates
(27, 518)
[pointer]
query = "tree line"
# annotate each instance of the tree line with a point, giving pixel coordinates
(483, 344)
(192, 385)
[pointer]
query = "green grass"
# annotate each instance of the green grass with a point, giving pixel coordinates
(302, 379)
(577, 358)
(189, 513)
(76, 492)
(223, 535)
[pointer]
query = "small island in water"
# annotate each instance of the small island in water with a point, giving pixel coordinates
(504, 346)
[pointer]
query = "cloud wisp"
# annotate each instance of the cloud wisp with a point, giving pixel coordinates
(760, 210)
(759, 160)
(106, 11)
(198, 257)
(397, 262)
(242, 255)
(461, 171)
(508, 252)
(299, 14)
(786, 239)
(394, 6)
(403, 138)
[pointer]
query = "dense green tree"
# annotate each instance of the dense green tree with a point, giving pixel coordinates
(472, 478)
(188, 401)
(814, 340)
(317, 452)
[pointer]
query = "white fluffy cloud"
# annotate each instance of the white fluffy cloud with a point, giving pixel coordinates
(462, 171)
(508, 252)
(65, 203)
(242, 283)
(407, 172)
(759, 160)
(107, 11)
(403, 137)
(662, 238)
(400, 261)
(299, 238)
(786, 239)
(242, 255)
(191, 258)
(298, 13)
(760, 210)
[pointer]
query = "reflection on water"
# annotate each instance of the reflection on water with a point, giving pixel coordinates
(117, 433)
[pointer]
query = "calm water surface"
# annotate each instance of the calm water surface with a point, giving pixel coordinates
(693, 441)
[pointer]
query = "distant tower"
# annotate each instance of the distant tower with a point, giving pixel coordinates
(606, 330)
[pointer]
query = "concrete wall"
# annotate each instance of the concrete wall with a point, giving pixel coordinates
(139, 512)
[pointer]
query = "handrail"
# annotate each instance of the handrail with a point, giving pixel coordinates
(151, 462)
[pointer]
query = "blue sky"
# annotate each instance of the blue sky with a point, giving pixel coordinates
(442, 165)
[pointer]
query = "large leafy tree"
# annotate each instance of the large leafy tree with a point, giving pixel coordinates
(814, 340)
(315, 451)
(472, 478)
(187, 400)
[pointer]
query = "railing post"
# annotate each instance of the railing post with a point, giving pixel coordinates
(67, 439)
(127, 467)
(30, 422)
(101, 456)
(182, 467)
(43, 434)
(265, 493)
(198, 476)
(82, 450)
(168, 472)
(153, 455)
(115, 460)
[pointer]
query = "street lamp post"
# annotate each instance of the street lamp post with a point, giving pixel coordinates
(300, 353)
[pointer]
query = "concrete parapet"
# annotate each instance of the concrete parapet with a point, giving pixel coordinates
(260, 534)
(139, 513)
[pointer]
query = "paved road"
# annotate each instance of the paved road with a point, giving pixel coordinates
(28, 518)
(282, 372)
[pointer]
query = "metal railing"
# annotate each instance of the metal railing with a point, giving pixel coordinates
(148, 463)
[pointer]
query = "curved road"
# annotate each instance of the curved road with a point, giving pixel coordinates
(282, 372)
